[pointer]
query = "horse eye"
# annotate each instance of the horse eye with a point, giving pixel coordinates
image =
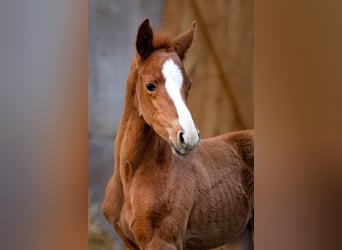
(150, 86)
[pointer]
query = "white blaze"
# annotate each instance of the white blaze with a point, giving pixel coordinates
(173, 84)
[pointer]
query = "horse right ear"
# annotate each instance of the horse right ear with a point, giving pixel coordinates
(144, 39)
(182, 42)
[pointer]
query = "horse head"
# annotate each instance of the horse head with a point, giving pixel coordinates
(163, 86)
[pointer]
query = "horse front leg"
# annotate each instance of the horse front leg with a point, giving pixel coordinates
(167, 236)
(127, 244)
(111, 208)
(159, 244)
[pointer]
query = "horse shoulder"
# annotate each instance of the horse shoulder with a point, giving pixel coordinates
(160, 206)
(113, 200)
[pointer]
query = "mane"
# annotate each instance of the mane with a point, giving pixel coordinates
(162, 40)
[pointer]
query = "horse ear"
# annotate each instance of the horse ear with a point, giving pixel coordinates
(144, 39)
(182, 42)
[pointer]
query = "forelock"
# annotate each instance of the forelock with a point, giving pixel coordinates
(161, 40)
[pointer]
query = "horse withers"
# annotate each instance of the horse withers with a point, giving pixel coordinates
(171, 190)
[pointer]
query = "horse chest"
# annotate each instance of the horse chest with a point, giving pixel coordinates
(145, 205)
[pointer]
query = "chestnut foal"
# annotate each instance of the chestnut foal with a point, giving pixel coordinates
(169, 191)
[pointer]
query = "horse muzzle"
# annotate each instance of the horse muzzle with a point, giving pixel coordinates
(185, 143)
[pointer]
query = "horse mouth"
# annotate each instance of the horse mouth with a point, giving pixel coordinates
(179, 150)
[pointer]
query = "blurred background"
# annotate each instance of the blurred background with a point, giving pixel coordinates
(43, 105)
(220, 63)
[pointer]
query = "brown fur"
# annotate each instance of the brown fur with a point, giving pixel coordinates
(158, 200)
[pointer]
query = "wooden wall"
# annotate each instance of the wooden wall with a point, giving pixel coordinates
(220, 61)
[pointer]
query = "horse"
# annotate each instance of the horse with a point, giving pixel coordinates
(170, 189)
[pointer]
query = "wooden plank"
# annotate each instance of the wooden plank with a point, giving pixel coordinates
(219, 62)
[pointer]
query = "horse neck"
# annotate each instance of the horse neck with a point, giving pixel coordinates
(136, 141)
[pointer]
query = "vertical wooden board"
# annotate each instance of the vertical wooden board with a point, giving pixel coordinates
(219, 61)
(210, 108)
(231, 32)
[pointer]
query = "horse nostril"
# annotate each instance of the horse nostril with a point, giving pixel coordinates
(199, 135)
(181, 138)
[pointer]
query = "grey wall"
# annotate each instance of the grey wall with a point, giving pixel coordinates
(112, 31)
(111, 38)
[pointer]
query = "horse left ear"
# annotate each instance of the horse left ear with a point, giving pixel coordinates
(144, 39)
(182, 42)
